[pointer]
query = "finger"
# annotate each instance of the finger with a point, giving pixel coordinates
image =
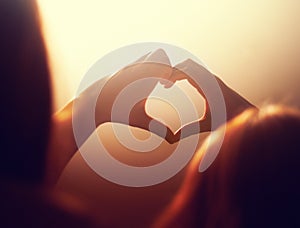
(189, 67)
(155, 64)
(141, 59)
(193, 128)
(196, 74)
(167, 83)
(139, 118)
(158, 56)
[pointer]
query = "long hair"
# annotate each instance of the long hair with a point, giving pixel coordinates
(25, 97)
(254, 180)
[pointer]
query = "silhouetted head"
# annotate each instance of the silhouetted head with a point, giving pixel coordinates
(24, 92)
(254, 181)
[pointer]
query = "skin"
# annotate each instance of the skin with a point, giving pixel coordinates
(63, 146)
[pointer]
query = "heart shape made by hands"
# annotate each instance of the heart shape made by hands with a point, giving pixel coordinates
(151, 91)
(176, 106)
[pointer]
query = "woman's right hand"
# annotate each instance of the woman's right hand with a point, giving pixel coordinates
(234, 103)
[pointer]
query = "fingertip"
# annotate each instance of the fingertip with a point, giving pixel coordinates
(167, 84)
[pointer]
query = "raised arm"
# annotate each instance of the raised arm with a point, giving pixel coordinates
(119, 98)
(206, 83)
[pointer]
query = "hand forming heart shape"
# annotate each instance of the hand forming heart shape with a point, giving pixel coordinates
(123, 96)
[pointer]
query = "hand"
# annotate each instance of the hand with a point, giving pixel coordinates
(121, 98)
(107, 92)
(234, 103)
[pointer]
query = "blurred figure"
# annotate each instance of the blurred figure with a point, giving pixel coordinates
(254, 181)
(36, 146)
(27, 206)
(25, 100)
(25, 96)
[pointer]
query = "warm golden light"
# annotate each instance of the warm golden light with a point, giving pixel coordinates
(253, 45)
